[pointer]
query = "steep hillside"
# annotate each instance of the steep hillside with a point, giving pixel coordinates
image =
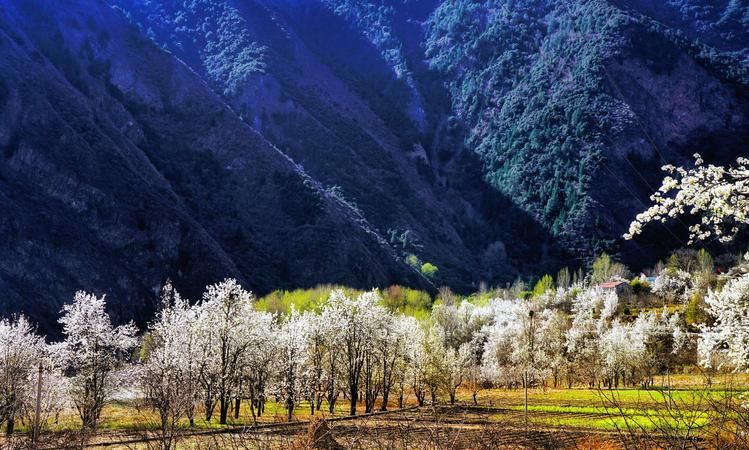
(293, 142)
(571, 107)
(574, 106)
(120, 167)
(721, 24)
(325, 95)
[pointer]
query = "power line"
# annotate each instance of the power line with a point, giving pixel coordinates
(613, 174)
(650, 140)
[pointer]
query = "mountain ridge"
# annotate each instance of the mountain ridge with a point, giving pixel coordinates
(124, 174)
(288, 143)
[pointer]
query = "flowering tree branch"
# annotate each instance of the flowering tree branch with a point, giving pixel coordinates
(720, 195)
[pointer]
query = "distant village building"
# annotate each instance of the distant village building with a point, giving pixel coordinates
(622, 288)
(650, 280)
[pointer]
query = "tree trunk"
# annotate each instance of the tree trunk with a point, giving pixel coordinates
(252, 411)
(237, 407)
(369, 399)
(385, 395)
(331, 404)
(354, 396)
(209, 405)
(223, 409)
(191, 414)
(11, 425)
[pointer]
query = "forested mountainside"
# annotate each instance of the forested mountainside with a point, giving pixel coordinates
(568, 109)
(120, 167)
(319, 90)
(719, 24)
(574, 106)
(294, 142)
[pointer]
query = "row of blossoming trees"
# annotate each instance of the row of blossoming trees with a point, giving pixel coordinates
(206, 359)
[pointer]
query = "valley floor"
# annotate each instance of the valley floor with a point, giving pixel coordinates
(579, 418)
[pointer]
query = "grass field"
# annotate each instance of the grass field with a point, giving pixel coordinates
(575, 414)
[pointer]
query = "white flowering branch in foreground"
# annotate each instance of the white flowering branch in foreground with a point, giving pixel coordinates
(720, 195)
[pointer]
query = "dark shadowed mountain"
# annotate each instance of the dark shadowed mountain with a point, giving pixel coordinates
(120, 167)
(318, 89)
(568, 109)
(292, 142)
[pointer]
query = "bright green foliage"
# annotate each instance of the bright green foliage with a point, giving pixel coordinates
(411, 302)
(674, 263)
(695, 311)
(413, 261)
(705, 268)
(544, 285)
(564, 278)
(605, 268)
(281, 301)
(481, 298)
(705, 260)
(429, 270)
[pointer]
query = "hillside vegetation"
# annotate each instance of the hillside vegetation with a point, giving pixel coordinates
(423, 143)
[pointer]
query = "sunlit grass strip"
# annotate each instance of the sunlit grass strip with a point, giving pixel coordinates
(127, 416)
(634, 422)
(629, 395)
(602, 418)
(604, 410)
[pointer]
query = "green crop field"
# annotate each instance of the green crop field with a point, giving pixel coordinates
(600, 416)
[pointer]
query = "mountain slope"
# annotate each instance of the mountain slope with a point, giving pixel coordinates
(293, 142)
(567, 109)
(574, 106)
(325, 97)
(121, 168)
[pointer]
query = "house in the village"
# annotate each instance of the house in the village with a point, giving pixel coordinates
(622, 288)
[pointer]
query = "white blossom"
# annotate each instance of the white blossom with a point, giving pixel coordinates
(674, 285)
(93, 351)
(729, 334)
(21, 352)
(719, 195)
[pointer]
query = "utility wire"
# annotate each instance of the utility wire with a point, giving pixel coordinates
(650, 140)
